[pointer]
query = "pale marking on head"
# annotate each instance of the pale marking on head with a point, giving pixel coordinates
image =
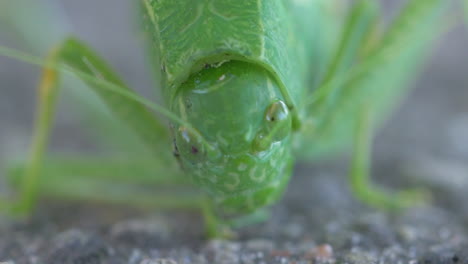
(219, 64)
(242, 167)
(236, 181)
(259, 177)
(215, 87)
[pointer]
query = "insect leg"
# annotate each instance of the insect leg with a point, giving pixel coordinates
(77, 57)
(219, 228)
(360, 167)
(126, 170)
(139, 183)
(67, 182)
(260, 215)
(74, 57)
(380, 77)
(358, 26)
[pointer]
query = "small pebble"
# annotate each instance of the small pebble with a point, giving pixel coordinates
(158, 261)
(280, 253)
(153, 226)
(223, 251)
(322, 252)
(260, 245)
(358, 257)
(75, 246)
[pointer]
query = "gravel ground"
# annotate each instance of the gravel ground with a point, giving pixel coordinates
(425, 144)
(317, 222)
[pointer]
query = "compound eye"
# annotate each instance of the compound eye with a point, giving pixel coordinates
(277, 112)
(277, 127)
(189, 145)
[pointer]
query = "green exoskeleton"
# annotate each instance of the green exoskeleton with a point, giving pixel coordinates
(249, 88)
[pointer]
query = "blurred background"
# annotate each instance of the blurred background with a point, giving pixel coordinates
(426, 139)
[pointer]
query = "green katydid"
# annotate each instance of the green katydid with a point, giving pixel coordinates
(249, 87)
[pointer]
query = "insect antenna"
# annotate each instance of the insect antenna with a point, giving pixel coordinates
(104, 84)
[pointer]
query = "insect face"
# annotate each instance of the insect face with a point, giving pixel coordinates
(241, 153)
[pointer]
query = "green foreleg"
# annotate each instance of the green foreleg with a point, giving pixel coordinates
(29, 182)
(361, 184)
(138, 195)
(74, 57)
(134, 114)
(140, 183)
(113, 169)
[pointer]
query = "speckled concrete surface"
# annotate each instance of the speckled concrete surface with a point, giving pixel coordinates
(424, 144)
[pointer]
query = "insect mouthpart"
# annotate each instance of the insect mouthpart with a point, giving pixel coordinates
(243, 158)
(190, 144)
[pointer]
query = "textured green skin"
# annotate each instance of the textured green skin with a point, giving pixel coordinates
(253, 52)
(230, 94)
(191, 34)
(230, 79)
(223, 63)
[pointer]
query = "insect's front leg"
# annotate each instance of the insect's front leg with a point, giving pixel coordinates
(77, 58)
(360, 167)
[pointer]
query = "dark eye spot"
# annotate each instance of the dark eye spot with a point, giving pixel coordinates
(277, 111)
(455, 259)
(194, 150)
